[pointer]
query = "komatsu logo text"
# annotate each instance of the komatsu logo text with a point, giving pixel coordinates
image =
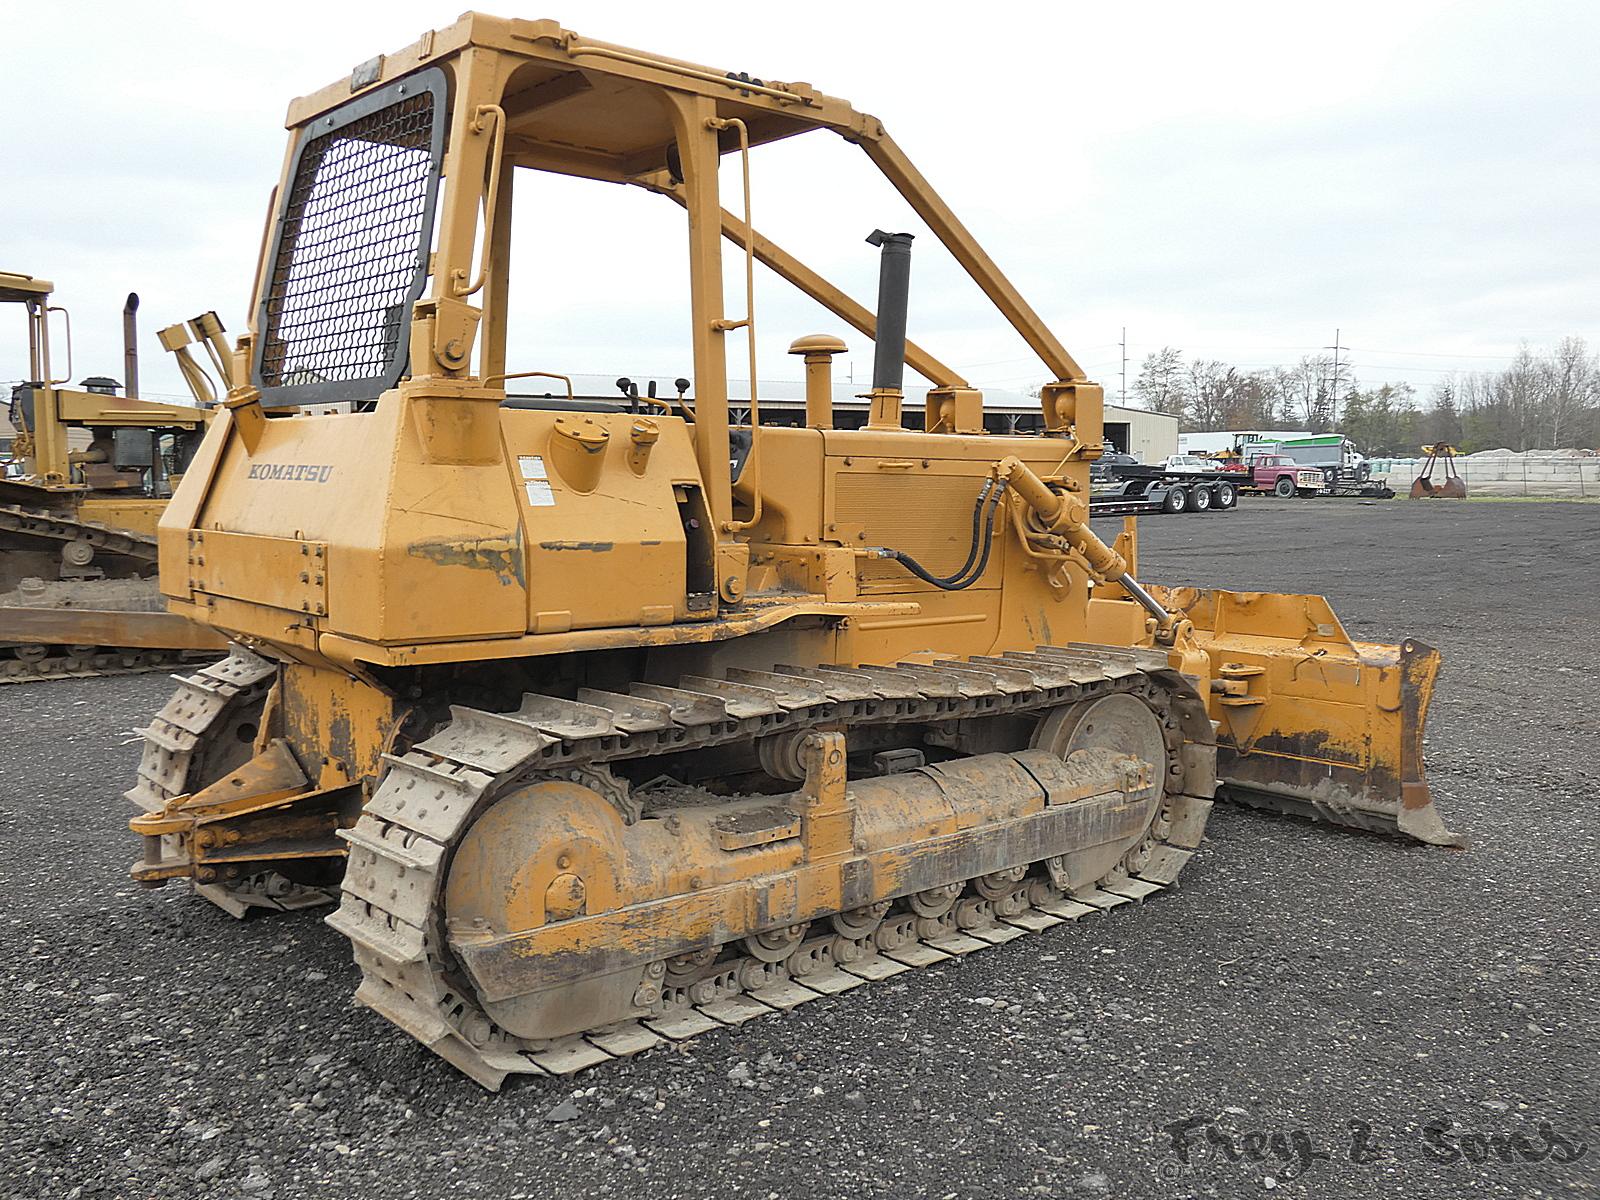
(291, 472)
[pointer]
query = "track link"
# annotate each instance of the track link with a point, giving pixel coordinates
(19, 521)
(195, 739)
(400, 849)
(31, 664)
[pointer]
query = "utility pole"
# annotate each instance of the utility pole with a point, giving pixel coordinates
(1333, 388)
(1122, 392)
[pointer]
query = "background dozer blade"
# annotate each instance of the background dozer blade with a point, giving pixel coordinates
(1310, 722)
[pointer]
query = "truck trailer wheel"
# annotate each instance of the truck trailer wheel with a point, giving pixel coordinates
(1284, 487)
(1175, 501)
(1200, 499)
(1227, 495)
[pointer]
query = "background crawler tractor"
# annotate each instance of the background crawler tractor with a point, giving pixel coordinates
(608, 723)
(88, 474)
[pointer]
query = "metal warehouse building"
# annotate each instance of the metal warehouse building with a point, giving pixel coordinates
(1148, 436)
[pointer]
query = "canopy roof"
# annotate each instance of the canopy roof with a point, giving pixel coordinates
(592, 108)
(15, 288)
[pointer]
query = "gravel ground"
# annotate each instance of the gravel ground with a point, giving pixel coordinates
(1301, 980)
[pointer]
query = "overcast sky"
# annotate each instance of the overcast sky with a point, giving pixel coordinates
(1236, 180)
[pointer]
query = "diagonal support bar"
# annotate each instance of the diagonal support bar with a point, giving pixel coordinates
(919, 193)
(791, 270)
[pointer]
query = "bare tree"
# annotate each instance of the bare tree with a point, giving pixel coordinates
(1255, 403)
(1160, 385)
(1521, 387)
(1310, 400)
(1540, 399)
(1281, 404)
(1571, 386)
(1214, 390)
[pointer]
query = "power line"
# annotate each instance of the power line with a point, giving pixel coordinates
(1430, 353)
(1028, 358)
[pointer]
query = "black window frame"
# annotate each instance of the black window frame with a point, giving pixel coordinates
(368, 388)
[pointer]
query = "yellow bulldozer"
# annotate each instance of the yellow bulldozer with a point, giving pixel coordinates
(86, 477)
(608, 723)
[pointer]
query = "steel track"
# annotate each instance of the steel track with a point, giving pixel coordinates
(391, 906)
(32, 662)
(192, 721)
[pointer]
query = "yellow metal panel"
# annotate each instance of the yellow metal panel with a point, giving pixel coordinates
(92, 408)
(625, 528)
(927, 513)
(139, 516)
(281, 572)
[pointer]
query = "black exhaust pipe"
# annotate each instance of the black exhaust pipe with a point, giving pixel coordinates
(130, 346)
(894, 294)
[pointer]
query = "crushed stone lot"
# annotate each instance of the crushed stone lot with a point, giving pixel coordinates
(1340, 991)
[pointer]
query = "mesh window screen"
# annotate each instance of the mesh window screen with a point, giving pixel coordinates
(353, 237)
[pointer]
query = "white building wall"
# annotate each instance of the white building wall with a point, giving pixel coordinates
(1151, 436)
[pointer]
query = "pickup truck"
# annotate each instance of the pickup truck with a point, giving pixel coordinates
(1186, 464)
(1282, 476)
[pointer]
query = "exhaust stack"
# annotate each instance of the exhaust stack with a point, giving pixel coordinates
(130, 346)
(889, 354)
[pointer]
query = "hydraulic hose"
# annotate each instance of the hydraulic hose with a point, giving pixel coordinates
(984, 510)
(977, 528)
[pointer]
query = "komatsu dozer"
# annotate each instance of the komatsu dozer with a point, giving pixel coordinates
(87, 477)
(608, 724)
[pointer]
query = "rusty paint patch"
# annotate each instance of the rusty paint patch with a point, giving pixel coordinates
(501, 555)
(1317, 747)
(341, 736)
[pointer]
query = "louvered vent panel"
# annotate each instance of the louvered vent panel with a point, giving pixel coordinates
(927, 516)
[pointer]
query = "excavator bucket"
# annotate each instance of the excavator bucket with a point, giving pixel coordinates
(1310, 722)
(1452, 488)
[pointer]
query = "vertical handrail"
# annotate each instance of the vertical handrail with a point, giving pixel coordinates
(748, 324)
(66, 317)
(491, 203)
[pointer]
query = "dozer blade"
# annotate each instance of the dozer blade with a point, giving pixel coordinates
(107, 627)
(1310, 722)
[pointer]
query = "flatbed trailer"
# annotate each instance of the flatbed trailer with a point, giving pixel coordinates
(1344, 481)
(1132, 490)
